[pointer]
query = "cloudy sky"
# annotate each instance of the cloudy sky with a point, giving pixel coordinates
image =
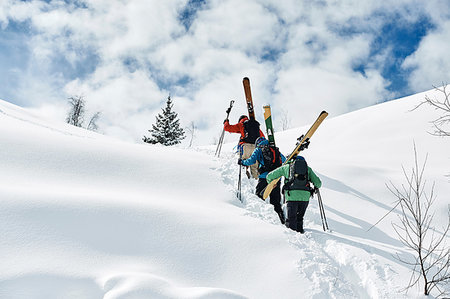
(302, 56)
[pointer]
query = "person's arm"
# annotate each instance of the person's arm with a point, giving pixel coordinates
(314, 178)
(253, 158)
(278, 173)
(237, 128)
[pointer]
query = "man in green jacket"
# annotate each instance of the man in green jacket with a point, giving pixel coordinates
(297, 189)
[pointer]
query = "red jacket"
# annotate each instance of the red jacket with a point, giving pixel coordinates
(238, 128)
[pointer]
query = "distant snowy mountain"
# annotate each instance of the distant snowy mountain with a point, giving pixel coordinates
(87, 216)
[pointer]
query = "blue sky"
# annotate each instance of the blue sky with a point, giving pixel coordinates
(126, 57)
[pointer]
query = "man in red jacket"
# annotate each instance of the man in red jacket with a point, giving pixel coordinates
(249, 130)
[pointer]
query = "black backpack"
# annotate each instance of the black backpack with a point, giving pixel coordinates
(298, 176)
(251, 130)
(272, 158)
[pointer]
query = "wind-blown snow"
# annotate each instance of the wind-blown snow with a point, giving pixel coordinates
(86, 216)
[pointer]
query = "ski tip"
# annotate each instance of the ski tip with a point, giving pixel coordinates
(323, 112)
(246, 79)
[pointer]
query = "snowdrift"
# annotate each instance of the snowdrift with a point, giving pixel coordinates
(86, 216)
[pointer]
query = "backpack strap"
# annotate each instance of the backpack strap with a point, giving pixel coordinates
(297, 181)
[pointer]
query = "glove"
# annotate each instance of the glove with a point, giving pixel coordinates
(226, 120)
(228, 110)
(316, 190)
(240, 162)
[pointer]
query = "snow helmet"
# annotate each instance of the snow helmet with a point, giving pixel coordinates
(242, 117)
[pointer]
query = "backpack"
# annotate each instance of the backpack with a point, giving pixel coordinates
(251, 131)
(298, 176)
(271, 158)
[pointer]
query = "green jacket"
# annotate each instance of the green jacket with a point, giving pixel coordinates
(294, 195)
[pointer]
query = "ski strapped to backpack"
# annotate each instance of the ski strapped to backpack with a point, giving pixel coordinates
(269, 126)
(300, 146)
(248, 98)
(251, 126)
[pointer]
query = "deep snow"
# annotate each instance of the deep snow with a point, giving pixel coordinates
(86, 216)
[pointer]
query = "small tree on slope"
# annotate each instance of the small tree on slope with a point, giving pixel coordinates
(441, 124)
(77, 112)
(431, 261)
(166, 130)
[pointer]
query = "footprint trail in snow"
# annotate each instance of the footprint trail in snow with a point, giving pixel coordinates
(336, 266)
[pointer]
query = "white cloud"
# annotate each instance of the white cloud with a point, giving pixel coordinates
(18, 10)
(127, 101)
(431, 61)
(312, 66)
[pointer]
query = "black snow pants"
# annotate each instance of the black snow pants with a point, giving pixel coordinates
(275, 196)
(296, 211)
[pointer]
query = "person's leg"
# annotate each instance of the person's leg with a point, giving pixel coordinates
(275, 200)
(262, 184)
(248, 151)
(291, 221)
(300, 214)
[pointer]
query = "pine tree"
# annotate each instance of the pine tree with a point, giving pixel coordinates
(166, 130)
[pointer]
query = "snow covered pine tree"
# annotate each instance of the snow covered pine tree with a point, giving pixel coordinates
(166, 130)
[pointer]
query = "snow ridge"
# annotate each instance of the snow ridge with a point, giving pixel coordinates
(87, 216)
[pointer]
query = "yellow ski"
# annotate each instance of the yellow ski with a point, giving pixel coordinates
(297, 149)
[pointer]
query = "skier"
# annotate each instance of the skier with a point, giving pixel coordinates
(249, 130)
(297, 189)
(269, 158)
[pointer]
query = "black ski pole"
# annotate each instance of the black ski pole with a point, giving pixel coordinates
(219, 145)
(322, 211)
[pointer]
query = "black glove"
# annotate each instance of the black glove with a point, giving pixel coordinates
(316, 190)
(225, 120)
(228, 110)
(240, 162)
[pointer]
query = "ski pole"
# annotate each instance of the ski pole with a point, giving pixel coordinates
(219, 145)
(325, 222)
(239, 193)
(322, 211)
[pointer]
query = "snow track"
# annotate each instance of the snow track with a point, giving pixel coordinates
(336, 265)
(86, 216)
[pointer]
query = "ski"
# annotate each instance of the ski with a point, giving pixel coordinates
(269, 126)
(248, 98)
(299, 147)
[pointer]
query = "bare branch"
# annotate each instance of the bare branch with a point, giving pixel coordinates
(431, 263)
(442, 105)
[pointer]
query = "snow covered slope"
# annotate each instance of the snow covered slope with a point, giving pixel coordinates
(86, 216)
